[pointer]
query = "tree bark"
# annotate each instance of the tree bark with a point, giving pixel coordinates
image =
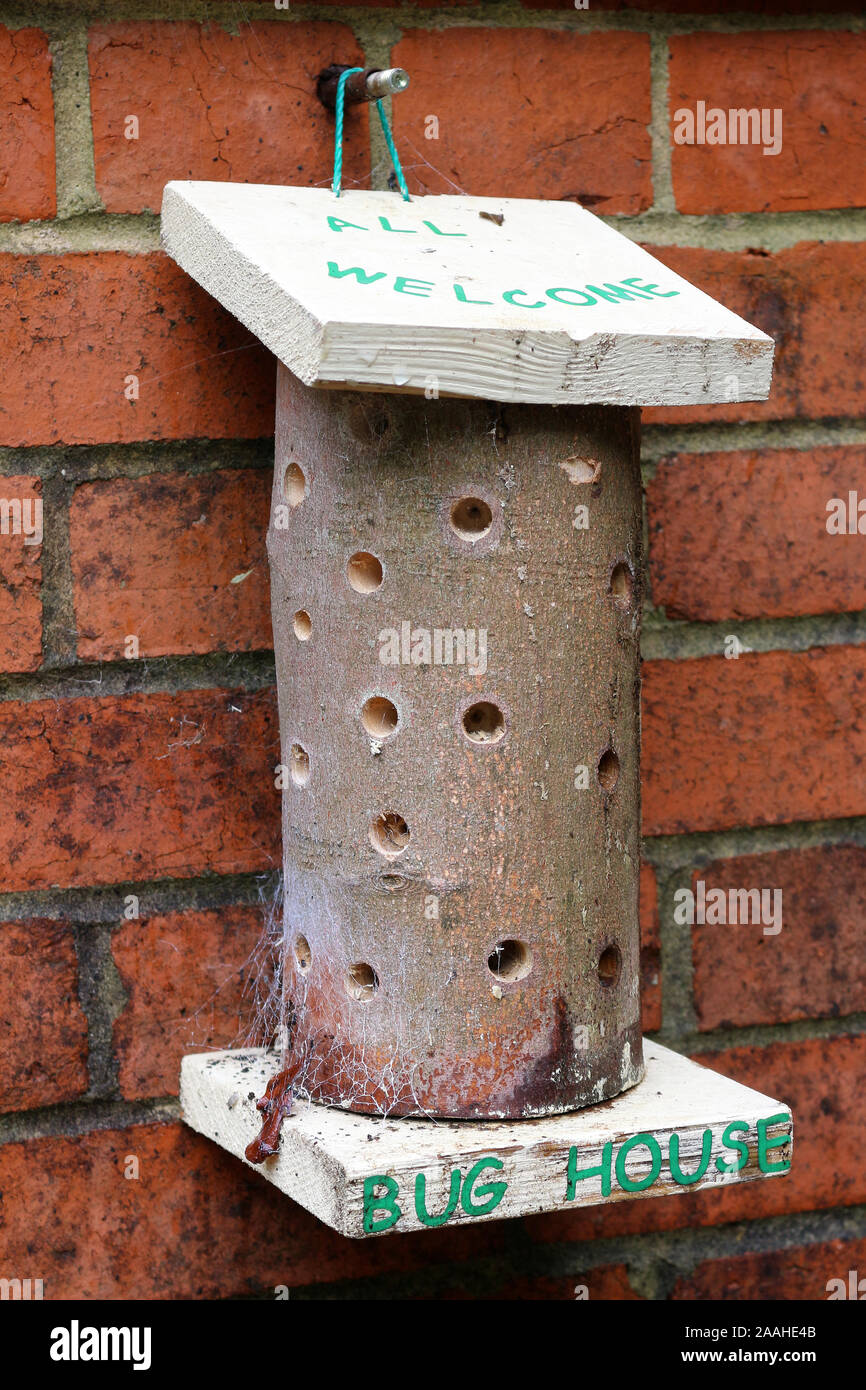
(461, 838)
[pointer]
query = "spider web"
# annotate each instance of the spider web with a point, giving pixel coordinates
(354, 1074)
(274, 1012)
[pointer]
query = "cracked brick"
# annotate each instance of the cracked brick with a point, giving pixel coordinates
(552, 115)
(239, 108)
(815, 79)
(26, 127)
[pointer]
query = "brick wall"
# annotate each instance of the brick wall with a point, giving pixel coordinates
(140, 415)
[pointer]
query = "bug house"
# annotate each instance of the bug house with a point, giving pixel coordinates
(455, 550)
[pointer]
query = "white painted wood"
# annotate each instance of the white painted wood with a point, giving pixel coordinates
(264, 251)
(326, 1154)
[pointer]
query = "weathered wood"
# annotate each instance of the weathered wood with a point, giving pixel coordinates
(357, 1172)
(497, 298)
(461, 832)
(461, 901)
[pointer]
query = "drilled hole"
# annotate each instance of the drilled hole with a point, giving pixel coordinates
(364, 572)
(302, 625)
(608, 770)
(300, 765)
(609, 966)
(389, 834)
(471, 518)
(294, 485)
(303, 954)
(510, 960)
(622, 585)
(379, 717)
(484, 722)
(361, 982)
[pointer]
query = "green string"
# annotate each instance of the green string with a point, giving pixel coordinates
(338, 133)
(392, 150)
(338, 138)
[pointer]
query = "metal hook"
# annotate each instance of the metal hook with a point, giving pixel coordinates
(372, 84)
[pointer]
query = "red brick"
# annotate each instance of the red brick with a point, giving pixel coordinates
(177, 561)
(142, 786)
(26, 126)
(43, 1041)
(239, 108)
(75, 327)
(814, 967)
(799, 1273)
(761, 740)
(650, 951)
(606, 1282)
(808, 298)
(769, 508)
(389, 4)
(814, 79)
(822, 1080)
(705, 7)
(194, 1224)
(20, 575)
(187, 980)
(534, 130)
(603, 1282)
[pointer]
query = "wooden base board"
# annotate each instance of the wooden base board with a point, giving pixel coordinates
(366, 1175)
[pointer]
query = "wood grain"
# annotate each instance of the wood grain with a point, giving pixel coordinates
(328, 1158)
(539, 302)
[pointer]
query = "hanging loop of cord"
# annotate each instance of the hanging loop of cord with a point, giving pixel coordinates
(392, 150)
(338, 131)
(339, 106)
